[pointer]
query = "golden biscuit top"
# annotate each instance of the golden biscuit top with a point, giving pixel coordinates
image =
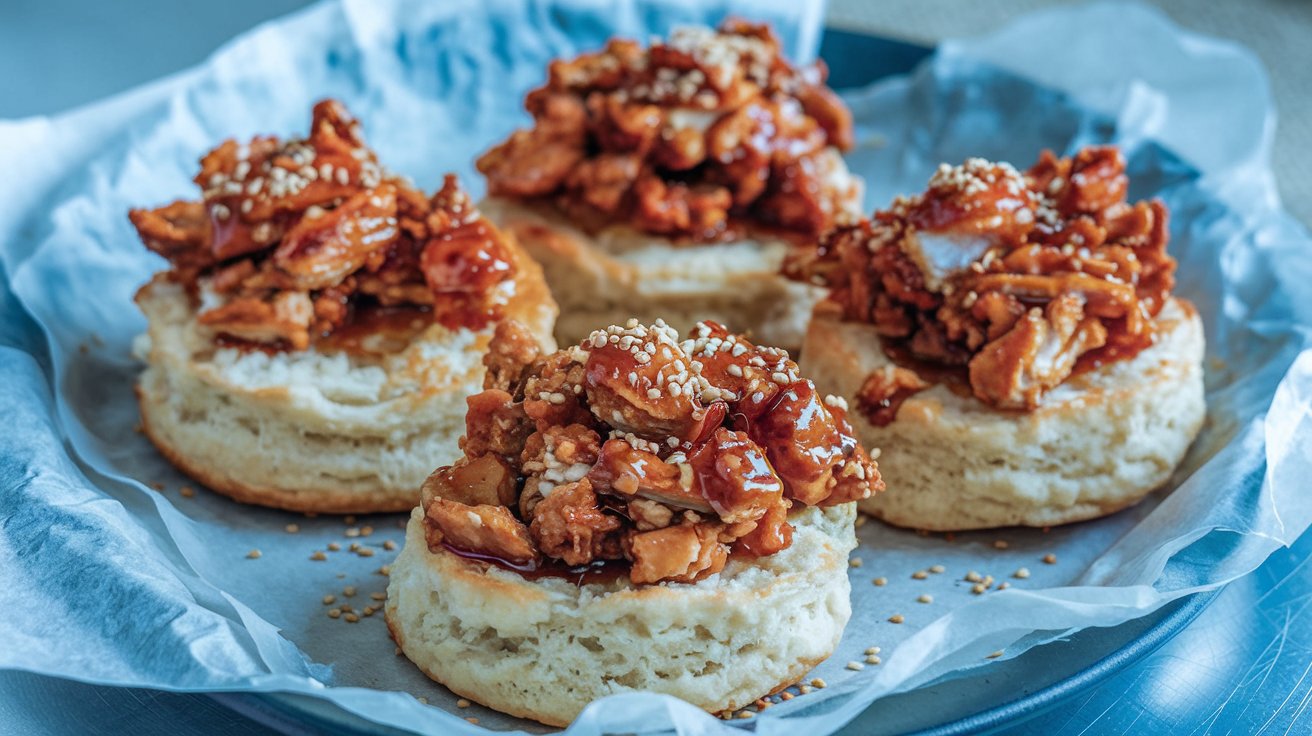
(1018, 280)
(701, 137)
(638, 447)
(294, 240)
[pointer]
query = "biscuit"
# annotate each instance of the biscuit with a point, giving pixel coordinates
(621, 273)
(307, 430)
(1099, 442)
(508, 642)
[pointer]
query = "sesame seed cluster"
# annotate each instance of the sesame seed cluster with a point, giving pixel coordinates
(641, 449)
(701, 137)
(1049, 273)
(291, 239)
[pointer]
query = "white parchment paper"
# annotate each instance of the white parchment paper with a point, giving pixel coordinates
(115, 576)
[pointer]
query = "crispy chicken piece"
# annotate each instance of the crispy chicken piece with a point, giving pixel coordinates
(318, 252)
(681, 554)
(482, 529)
(629, 472)
(731, 472)
(180, 232)
(283, 319)
(1037, 354)
(882, 393)
(569, 525)
(642, 383)
(481, 480)
(512, 350)
(495, 423)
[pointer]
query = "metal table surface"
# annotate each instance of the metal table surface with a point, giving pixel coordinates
(1242, 666)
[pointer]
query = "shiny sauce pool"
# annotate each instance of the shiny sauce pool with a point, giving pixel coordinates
(601, 571)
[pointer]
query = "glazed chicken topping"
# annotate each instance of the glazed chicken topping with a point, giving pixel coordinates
(698, 138)
(291, 238)
(638, 447)
(1019, 279)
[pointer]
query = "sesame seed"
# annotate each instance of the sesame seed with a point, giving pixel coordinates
(351, 618)
(1022, 573)
(352, 532)
(896, 618)
(318, 556)
(973, 577)
(872, 659)
(365, 552)
(995, 655)
(389, 545)
(349, 591)
(1050, 559)
(818, 682)
(804, 689)
(978, 588)
(187, 491)
(253, 554)
(462, 703)
(938, 569)
(1003, 585)
(855, 562)
(378, 596)
(334, 547)
(1000, 544)
(925, 598)
(873, 650)
(366, 531)
(329, 599)
(919, 575)
(785, 695)
(855, 666)
(334, 613)
(744, 715)
(881, 582)
(472, 720)
(292, 529)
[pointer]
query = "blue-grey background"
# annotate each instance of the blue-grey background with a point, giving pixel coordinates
(1241, 667)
